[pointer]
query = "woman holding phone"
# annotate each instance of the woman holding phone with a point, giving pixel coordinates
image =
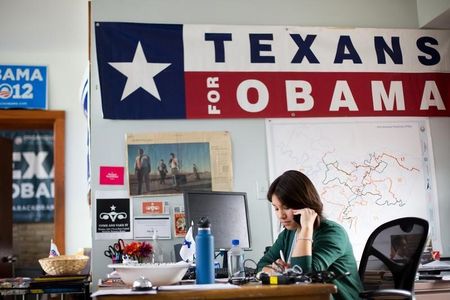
(309, 240)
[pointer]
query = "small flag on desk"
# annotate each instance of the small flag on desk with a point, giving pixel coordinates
(187, 250)
(53, 249)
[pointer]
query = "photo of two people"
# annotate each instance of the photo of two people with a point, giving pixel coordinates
(168, 168)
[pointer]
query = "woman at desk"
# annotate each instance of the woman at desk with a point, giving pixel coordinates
(309, 240)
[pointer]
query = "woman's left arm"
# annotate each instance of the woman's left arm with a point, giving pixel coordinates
(302, 245)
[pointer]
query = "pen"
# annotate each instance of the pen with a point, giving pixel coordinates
(282, 256)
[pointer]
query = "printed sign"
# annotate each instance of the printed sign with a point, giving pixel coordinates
(113, 215)
(147, 228)
(111, 175)
(169, 71)
(23, 87)
(153, 207)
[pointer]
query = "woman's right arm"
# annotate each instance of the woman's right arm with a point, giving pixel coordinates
(272, 255)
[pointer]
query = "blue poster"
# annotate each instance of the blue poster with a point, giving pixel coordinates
(33, 175)
(23, 87)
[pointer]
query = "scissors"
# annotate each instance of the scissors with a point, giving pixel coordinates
(111, 252)
(119, 246)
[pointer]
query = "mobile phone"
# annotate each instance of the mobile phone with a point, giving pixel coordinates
(297, 219)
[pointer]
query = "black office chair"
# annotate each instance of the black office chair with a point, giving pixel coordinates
(391, 257)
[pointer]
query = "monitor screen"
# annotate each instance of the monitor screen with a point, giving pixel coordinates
(227, 212)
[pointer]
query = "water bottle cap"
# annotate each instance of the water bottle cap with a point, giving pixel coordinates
(204, 223)
(235, 242)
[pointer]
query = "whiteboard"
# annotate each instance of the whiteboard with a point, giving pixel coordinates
(367, 170)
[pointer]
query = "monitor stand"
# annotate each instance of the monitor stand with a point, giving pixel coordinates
(224, 254)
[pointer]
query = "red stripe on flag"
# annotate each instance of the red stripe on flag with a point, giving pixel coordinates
(214, 94)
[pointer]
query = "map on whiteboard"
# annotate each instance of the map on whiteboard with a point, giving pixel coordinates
(366, 172)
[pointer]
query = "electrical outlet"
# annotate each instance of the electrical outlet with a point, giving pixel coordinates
(261, 190)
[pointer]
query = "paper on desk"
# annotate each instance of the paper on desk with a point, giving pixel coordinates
(445, 276)
(211, 286)
(435, 265)
(120, 292)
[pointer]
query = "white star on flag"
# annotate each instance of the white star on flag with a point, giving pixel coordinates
(140, 73)
(187, 250)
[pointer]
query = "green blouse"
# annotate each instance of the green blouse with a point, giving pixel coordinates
(331, 250)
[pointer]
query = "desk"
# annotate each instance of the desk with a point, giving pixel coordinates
(315, 291)
(78, 284)
(432, 289)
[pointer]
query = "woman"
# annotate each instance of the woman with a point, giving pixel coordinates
(313, 243)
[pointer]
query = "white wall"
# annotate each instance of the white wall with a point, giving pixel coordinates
(248, 136)
(55, 33)
(343, 13)
(427, 10)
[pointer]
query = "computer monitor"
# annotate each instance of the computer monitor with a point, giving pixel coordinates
(227, 212)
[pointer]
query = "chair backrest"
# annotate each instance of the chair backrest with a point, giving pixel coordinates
(392, 254)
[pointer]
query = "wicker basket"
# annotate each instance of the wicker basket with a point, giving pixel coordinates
(64, 264)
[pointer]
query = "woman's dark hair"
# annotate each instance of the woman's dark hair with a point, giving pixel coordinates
(296, 191)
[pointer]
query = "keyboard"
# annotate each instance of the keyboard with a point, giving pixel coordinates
(218, 273)
(221, 272)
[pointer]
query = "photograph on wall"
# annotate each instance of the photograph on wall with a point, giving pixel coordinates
(168, 168)
(174, 163)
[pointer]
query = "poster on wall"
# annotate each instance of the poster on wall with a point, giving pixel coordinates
(113, 215)
(33, 175)
(23, 87)
(384, 177)
(170, 162)
(179, 219)
(230, 71)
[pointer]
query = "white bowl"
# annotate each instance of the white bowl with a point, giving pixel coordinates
(158, 273)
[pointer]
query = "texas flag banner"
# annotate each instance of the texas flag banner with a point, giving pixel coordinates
(169, 71)
(141, 70)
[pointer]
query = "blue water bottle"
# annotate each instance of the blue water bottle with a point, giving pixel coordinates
(204, 253)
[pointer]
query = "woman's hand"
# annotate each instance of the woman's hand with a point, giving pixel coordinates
(277, 267)
(308, 216)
